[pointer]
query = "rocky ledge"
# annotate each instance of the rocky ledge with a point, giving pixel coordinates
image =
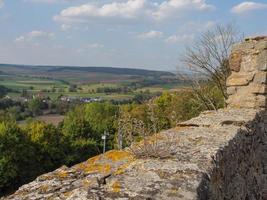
(208, 162)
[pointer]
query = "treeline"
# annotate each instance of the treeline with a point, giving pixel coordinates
(21, 110)
(118, 90)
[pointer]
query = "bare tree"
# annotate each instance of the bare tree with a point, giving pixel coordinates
(209, 55)
(205, 92)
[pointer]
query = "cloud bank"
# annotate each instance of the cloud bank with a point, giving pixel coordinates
(248, 6)
(131, 10)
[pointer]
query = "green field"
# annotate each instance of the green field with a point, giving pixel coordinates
(30, 83)
(56, 81)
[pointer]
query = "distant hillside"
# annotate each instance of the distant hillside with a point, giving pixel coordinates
(10, 68)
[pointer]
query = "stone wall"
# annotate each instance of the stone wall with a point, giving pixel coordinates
(240, 169)
(220, 155)
(246, 86)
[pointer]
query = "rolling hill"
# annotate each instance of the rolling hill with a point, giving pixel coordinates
(84, 74)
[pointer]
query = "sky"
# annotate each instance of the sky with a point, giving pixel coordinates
(150, 34)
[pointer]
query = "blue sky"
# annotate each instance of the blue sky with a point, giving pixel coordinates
(149, 34)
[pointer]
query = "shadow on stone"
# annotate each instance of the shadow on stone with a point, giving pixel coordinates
(239, 170)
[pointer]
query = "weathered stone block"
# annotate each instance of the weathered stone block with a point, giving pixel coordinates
(260, 77)
(261, 101)
(249, 63)
(238, 79)
(231, 90)
(257, 89)
(242, 46)
(240, 100)
(261, 45)
(235, 61)
(251, 89)
(263, 67)
(262, 61)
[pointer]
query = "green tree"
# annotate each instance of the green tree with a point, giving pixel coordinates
(49, 144)
(162, 112)
(17, 157)
(79, 137)
(101, 116)
(3, 91)
(35, 106)
(75, 125)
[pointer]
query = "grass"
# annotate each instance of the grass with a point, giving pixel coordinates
(20, 83)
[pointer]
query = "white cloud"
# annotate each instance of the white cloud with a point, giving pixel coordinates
(179, 38)
(131, 10)
(248, 6)
(1, 3)
(125, 10)
(170, 8)
(150, 35)
(34, 35)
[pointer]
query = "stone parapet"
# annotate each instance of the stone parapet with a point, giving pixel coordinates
(247, 84)
(218, 155)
